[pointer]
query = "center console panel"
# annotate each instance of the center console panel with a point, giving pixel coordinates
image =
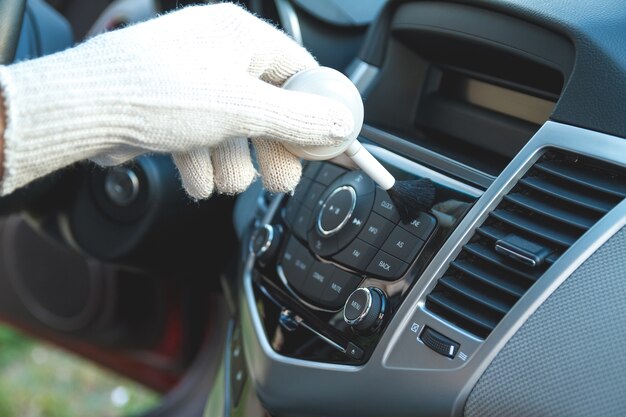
(340, 238)
(344, 298)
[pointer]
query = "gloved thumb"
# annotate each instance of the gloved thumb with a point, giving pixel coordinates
(196, 172)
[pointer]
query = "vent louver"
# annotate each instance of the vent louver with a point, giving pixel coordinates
(558, 200)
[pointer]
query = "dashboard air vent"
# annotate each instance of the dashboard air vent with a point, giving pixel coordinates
(558, 200)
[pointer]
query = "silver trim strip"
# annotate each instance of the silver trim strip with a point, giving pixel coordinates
(402, 146)
(411, 371)
(331, 342)
(283, 278)
(517, 256)
(266, 245)
(411, 167)
(227, 368)
(289, 19)
(362, 74)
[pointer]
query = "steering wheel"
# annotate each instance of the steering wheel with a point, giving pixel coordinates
(11, 16)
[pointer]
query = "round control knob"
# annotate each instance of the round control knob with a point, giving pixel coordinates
(121, 185)
(264, 241)
(336, 210)
(365, 308)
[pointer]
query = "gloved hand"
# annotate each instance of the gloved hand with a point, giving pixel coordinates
(195, 83)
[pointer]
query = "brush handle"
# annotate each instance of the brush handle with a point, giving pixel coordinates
(370, 165)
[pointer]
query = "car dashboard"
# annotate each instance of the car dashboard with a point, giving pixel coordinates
(503, 297)
(488, 302)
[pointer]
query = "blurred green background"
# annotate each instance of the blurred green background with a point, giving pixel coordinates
(39, 380)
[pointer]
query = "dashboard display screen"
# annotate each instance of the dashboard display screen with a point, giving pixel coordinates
(507, 101)
(478, 119)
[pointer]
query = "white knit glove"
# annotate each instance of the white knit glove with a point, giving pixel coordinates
(195, 83)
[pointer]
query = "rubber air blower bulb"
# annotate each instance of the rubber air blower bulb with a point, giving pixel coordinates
(410, 196)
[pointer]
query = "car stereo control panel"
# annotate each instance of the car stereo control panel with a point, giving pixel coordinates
(352, 224)
(336, 261)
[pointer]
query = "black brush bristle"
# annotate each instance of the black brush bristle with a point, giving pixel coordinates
(412, 196)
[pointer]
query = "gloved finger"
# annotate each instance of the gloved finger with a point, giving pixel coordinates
(234, 171)
(196, 172)
(279, 59)
(280, 169)
(290, 116)
(276, 56)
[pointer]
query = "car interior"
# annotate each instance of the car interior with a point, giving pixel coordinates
(507, 296)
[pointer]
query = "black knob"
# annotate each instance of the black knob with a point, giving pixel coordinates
(264, 241)
(121, 185)
(365, 309)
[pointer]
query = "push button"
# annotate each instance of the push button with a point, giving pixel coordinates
(357, 255)
(329, 173)
(386, 266)
(361, 183)
(301, 190)
(357, 221)
(336, 210)
(338, 289)
(312, 198)
(376, 230)
(319, 276)
(291, 211)
(296, 262)
(357, 306)
(403, 245)
(421, 226)
(385, 207)
(321, 245)
(302, 222)
(365, 309)
(311, 170)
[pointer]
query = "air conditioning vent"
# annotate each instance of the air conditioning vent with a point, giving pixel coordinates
(553, 205)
